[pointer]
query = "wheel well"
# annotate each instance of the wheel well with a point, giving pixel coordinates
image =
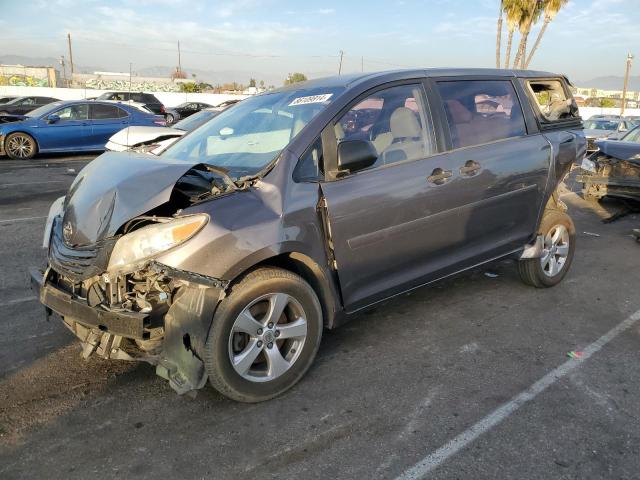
(311, 273)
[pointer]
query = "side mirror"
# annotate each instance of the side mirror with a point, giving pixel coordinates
(53, 118)
(354, 155)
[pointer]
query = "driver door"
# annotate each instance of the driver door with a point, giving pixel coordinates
(70, 132)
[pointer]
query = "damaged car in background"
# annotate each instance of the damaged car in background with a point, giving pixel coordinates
(604, 127)
(156, 139)
(225, 257)
(614, 169)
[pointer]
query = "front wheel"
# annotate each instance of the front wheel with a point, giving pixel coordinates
(169, 119)
(559, 235)
(264, 337)
(20, 146)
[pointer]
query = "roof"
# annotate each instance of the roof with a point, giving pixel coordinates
(350, 80)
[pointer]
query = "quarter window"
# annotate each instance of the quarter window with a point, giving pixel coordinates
(481, 111)
(73, 112)
(394, 120)
(552, 101)
(310, 167)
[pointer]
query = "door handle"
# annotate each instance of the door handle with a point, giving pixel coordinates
(439, 176)
(470, 168)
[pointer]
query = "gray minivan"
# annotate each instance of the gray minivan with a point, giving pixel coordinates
(225, 257)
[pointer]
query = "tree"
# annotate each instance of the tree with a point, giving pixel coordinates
(499, 35)
(532, 9)
(295, 78)
(607, 103)
(178, 74)
(252, 82)
(262, 84)
(190, 87)
(513, 11)
(551, 9)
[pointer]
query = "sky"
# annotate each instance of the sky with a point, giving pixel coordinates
(589, 38)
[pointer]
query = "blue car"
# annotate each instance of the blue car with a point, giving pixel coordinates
(74, 126)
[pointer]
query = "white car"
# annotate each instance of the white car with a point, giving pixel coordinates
(156, 139)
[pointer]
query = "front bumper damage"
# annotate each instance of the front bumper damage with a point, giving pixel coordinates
(613, 177)
(170, 333)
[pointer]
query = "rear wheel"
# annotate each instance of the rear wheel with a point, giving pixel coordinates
(20, 146)
(559, 245)
(264, 336)
(170, 119)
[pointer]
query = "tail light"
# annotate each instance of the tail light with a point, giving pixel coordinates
(162, 109)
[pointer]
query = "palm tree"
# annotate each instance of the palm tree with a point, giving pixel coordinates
(513, 11)
(531, 12)
(551, 9)
(499, 35)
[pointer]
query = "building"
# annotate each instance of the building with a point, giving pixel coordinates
(25, 76)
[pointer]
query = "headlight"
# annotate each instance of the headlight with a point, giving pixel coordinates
(140, 245)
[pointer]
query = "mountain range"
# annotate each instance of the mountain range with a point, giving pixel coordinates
(214, 77)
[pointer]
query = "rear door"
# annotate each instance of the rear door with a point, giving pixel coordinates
(69, 133)
(499, 171)
(391, 226)
(105, 121)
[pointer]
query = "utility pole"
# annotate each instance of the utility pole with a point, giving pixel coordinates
(362, 64)
(64, 70)
(70, 54)
(130, 65)
(626, 83)
(340, 67)
(179, 60)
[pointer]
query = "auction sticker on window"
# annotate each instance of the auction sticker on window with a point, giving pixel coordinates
(588, 165)
(311, 99)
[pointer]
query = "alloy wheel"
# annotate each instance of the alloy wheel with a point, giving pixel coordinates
(267, 337)
(20, 146)
(556, 250)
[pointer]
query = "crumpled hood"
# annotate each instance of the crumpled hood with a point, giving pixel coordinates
(597, 133)
(113, 189)
(628, 151)
(131, 136)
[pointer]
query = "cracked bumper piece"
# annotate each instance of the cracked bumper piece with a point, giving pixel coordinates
(176, 351)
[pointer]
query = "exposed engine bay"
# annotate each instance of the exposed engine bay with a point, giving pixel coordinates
(608, 173)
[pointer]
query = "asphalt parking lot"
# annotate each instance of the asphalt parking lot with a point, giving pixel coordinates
(442, 379)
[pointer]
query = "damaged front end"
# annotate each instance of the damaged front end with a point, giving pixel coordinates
(612, 171)
(115, 295)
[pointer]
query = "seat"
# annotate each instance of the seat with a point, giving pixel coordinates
(406, 134)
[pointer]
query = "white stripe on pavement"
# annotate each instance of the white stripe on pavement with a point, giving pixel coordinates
(18, 300)
(25, 219)
(433, 460)
(30, 183)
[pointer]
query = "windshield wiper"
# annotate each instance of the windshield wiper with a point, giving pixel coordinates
(224, 173)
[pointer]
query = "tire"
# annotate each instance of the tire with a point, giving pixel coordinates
(241, 331)
(169, 119)
(549, 270)
(20, 146)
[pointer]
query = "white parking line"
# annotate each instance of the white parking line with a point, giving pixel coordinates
(25, 219)
(18, 300)
(30, 183)
(433, 460)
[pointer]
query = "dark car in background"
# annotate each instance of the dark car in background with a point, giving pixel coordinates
(23, 105)
(604, 127)
(7, 99)
(184, 110)
(148, 99)
(74, 126)
(613, 170)
(225, 257)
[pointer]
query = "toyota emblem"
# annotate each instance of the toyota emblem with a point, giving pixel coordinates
(67, 232)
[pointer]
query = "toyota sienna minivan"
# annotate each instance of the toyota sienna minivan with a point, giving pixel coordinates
(225, 258)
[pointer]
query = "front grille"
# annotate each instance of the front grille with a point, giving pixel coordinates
(77, 263)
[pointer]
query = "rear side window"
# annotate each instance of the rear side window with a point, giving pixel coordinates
(552, 102)
(481, 111)
(73, 112)
(104, 112)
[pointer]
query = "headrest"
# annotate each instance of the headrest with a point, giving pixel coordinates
(459, 113)
(404, 123)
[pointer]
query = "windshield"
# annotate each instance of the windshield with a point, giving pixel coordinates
(633, 136)
(601, 125)
(246, 138)
(195, 120)
(38, 112)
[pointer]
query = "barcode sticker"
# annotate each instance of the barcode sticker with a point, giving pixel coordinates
(311, 99)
